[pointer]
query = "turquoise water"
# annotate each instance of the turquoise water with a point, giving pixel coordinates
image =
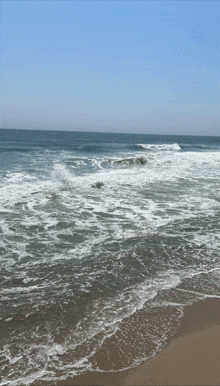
(105, 238)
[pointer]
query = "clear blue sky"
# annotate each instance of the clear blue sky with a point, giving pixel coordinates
(124, 66)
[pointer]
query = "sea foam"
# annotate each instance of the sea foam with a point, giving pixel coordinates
(164, 147)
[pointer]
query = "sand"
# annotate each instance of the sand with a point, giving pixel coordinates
(191, 358)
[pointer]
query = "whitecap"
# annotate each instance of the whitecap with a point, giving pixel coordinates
(163, 147)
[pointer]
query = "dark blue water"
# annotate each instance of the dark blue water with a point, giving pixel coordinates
(105, 238)
(29, 140)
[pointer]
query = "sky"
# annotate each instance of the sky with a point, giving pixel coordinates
(118, 66)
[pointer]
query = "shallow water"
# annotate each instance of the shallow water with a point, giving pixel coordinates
(105, 238)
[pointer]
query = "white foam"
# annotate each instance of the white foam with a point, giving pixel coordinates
(132, 204)
(163, 147)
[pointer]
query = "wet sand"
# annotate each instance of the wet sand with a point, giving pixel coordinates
(191, 358)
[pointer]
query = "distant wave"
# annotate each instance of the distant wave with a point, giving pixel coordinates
(165, 147)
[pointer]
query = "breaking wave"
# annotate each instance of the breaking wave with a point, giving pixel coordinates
(165, 147)
(124, 162)
(130, 161)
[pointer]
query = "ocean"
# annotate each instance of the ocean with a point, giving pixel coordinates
(105, 239)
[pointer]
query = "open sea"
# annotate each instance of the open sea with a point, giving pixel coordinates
(104, 240)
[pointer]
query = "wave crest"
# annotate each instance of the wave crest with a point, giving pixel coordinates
(164, 147)
(130, 161)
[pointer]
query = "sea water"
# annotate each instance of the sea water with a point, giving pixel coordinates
(104, 239)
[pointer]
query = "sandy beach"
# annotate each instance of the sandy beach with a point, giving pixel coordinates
(191, 358)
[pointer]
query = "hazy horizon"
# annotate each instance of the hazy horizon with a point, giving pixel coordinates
(111, 132)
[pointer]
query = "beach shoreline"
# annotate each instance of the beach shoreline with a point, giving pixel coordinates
(191, 357)
(107, 239)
